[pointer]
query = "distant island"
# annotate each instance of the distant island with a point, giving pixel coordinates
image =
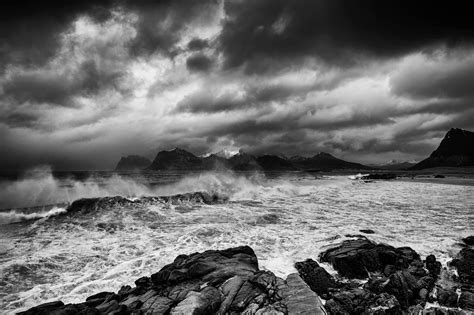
(455, 150)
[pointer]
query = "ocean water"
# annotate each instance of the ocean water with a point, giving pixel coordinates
(46, 254)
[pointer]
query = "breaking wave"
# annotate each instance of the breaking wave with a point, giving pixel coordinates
(13, 216)
(39, 187)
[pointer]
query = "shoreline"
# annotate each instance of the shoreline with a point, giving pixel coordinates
(371, 277)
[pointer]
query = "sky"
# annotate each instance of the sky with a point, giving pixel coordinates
(83, 83)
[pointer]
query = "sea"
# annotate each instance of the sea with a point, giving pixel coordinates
(47, 254)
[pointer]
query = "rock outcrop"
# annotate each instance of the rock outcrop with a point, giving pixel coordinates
(356, 258)
(132, 163)
(456, 149)
(86, 205)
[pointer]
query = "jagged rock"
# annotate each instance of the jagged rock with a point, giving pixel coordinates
(204, 302)
(360, 301)
(354, 258)
(318, 279)
(447, 297)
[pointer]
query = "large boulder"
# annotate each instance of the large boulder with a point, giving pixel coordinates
(355, 258)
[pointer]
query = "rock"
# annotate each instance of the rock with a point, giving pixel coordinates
(45, 308)
(156, 305)
(455, 150)
(318, 279)
(379, 176)
(367, 231)
(469, 240)
(355, 258)
(466, 301)
(214, 266)
(360, 301)
(464, 263)
(433, 266)
(101, 295)
(299, 298)
(205, 302)
(447, 297)
(58, 308)
(439, 176)
(132, 162)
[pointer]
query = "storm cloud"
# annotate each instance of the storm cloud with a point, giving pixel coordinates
(369, 81)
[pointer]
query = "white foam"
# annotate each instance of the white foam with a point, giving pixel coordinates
(13, 216)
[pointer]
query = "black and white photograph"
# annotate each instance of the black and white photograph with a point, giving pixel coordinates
(257, 157)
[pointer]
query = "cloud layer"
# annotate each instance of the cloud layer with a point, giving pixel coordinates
(368, 83)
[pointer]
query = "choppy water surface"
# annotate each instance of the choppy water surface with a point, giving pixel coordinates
(284, 219)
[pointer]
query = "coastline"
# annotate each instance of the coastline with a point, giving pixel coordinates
(373, 278)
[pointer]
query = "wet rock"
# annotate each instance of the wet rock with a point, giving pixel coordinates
(355, 258)
(87, 205)
(318, 279)
(45, 308)
(206, 301)
(447, 297)
(360, 301)
(213, 266)
(469, 240)
(466, 301)
(433, 266)
(464, 263)
(58, 308)
(100, 295)
(299, 298)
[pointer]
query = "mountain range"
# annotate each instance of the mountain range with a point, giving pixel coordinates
(179, 159)
(456, 149)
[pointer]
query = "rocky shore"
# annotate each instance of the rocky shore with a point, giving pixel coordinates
(371, 279)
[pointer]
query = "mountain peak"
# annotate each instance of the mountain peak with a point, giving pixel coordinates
(456, 149)
(132, 162)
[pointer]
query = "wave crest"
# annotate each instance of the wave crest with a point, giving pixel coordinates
(14, 216)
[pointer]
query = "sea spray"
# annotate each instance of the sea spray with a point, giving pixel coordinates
(39, 187)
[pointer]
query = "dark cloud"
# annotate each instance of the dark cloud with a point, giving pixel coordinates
(55, 87)
(199, 63)
(338, 31)
(198, 44)
(161, 22)
(30, 29)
